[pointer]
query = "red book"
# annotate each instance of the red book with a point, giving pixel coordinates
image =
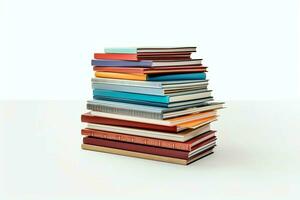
(147, 149)
(184, 146)
(87, 117)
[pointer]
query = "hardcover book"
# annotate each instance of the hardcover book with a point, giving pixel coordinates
(184, 146)
(180, 137)
(145, 63)
(210, 143)
(152, 77)
(141, 50)
(148, 156)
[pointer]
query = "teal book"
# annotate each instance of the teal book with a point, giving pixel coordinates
(130, 50)
(129, 95)
(136, 97)
(174, 77)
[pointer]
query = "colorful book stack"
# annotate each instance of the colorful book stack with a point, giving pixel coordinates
(150, 103)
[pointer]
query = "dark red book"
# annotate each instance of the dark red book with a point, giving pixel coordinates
(184, 146)
(150, 149)
(144, 56)
(161, 70)
(110, 121)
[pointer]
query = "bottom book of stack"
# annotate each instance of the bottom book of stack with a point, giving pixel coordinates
(157, 142)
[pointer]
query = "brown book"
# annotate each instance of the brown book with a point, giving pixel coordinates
(161, 70)
(148, 156)
(87, 117)
(150, 149)
(184, 146)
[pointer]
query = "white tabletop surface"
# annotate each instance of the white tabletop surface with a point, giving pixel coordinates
(257, 157)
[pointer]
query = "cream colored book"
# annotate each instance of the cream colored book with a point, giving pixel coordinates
(180, 137)
(144, 155)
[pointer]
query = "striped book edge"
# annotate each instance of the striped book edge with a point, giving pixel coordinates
(124, 111)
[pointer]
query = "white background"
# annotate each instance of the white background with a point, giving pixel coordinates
(251, 47)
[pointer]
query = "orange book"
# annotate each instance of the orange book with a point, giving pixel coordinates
(140, 77)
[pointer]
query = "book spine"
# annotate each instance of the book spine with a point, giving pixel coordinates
(115, 56)
(124, 111)
(136, 147)
(125, 123)
(137, 139)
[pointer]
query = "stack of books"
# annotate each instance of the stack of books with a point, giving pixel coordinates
(150, 103)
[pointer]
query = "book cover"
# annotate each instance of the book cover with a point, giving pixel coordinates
(152, 77)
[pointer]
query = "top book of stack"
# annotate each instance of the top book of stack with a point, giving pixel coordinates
(146, 57)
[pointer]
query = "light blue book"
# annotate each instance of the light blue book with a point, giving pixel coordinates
(130, 50)
(152, 84)
(149, 90)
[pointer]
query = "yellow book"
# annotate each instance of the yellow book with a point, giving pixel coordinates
(140, 77)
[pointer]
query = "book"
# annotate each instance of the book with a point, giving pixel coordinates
(152, 77)
(145, 63)
(150, 112)
(184, 146)
(144, 98)
(152, 84)
(138, 50)
(168, 126)
(147, 156)
(149, 90)
(180, 137)
(140, 56)
(171, 122)
(210, 143)
(153, 70)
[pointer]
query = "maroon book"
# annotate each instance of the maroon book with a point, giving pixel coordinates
(144, 148)
(184, 146)
(87, 117)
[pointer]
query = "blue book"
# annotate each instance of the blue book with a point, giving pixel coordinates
(174, 77)
(131, 101)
